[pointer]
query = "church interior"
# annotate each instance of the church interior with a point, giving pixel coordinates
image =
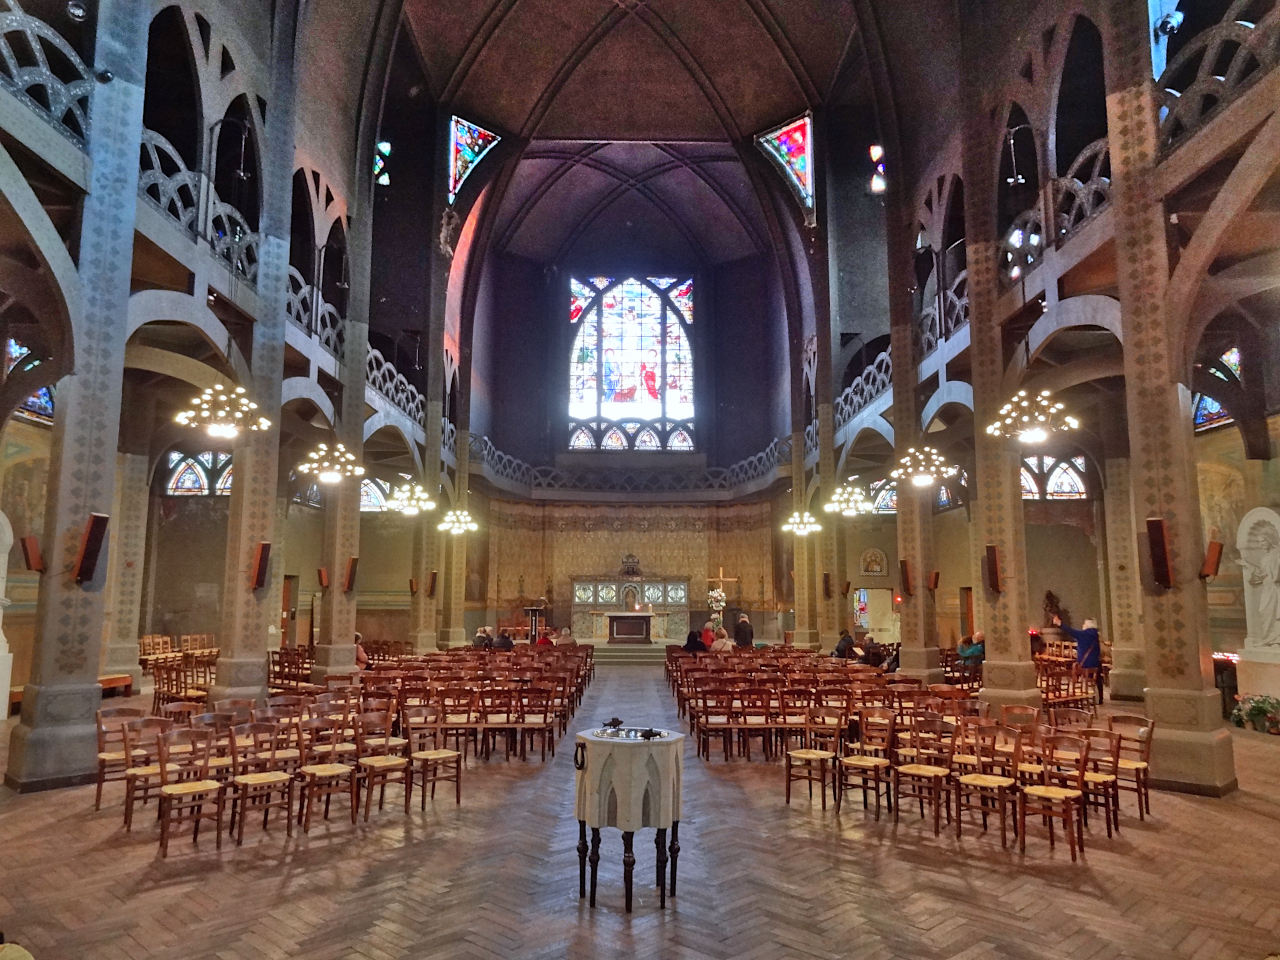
(396, 390)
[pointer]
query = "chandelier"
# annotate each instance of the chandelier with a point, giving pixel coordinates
(848, 500)
(331, 464)
(457, 521)
(1032, 418)
(223, 412)
(801, 523)
(923, 467)
(411, 499)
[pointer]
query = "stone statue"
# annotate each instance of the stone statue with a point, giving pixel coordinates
(1258, 540)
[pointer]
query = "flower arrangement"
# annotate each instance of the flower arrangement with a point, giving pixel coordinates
(716, 601)
(1262, 713)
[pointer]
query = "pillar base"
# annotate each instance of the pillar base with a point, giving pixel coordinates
(240, 678)
(333, 658)
(806, 639)
(922, 662)
(424, 641)
(453, 637)
(1192, 750)
(1010, 681)
(1258, 677)
(6, 678)
(1127, 684)
(123, 658)
(56, 742)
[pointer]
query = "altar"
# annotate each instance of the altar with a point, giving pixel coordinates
(629, 606)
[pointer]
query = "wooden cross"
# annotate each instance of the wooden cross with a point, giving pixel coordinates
(722, 579)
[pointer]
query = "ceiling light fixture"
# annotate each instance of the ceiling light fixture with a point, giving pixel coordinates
(331, 464)
(801, 523)
(1030, 419)
(457, 521)
(923, 467)
(848, 500)
(411, 499)
(222, 412)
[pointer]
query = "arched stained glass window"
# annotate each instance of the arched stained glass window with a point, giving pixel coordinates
(581, 439)
(1206, 411)
(884, 497)
(38, 406)
(943, 498)
(1065, 484)
(203, 474)
(632, 362)
(1030, 489)
(373, 495)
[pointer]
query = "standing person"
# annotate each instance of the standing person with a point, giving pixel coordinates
(973, 650)
(1088, 647)
(743, 633)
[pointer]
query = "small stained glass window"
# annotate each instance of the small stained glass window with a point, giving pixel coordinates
(943, 499)
(468, 143)
(885, 498)
(1030, 489)
(583, 593)
(675, 593)
(581, 439)
(613, 440)
(1065, 484)
(790, 147)
(607, 592)
(373, 495)
(648, 440)
(381, 158)
(680, 440)
(38, 406)
(653, 593)
(223, 487)
(188, 480)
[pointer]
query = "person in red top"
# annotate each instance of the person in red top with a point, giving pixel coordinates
(544, 640)
(708, 635)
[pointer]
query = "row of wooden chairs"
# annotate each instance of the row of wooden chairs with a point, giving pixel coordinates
(154, 645)
(183, 677)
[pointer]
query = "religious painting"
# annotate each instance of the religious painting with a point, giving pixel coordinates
(873, 563)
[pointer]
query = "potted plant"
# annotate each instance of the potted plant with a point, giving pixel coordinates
(1261, 713)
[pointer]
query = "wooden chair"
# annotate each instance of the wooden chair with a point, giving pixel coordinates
(320, 774)
(1102, 778)
(258, 782)
(536, 718)
(1064, 758)
(866, 763)
(188, 794)
(241, 710)
(793, 715)
(181, 711)
(114, 757)
(1018, 715)
(142, 782)
(924, 778)
(811, 766)
(715, 719)
(380, 762)
(429, 765)
(461, 719)
(1134, 768)
(989, 788)
(1071, 718)
(755, 719)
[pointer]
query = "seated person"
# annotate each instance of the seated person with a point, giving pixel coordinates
(504, 642)
(693, 643)
(972, 650)
(844, 647)
(545, 639)
(722, 643)
(362, 658)
(481, 639)
(872, 653)
(566, 638)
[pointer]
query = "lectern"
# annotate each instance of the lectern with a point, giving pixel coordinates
(537, 617)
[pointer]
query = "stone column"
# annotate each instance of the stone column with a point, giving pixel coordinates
(251, 618)
(1128, 659)
(1192, 749)
(6, 656)
(454, 633)
(1002, 614)
(126, 565)
(804, 560)
(423, 605)
(55, 743)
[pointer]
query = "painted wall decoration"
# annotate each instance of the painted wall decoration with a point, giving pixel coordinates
(873, 563)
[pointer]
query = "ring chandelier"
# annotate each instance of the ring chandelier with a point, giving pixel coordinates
(801, 523)
(848, 500)
(457, 521)
(924, 467)
(1030, 419)
(331, 464)
(223, 412)
(411, 499)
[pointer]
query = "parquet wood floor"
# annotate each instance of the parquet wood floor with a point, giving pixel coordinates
(498, 876)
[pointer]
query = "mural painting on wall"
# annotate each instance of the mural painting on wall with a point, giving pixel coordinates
(23, 500)
(1221, 505)
(477, 569)
(873, 563)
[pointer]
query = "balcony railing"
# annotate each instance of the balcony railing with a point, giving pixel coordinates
(871, 383)
(308, 310)
(935, 330)
(382, 375)
(1084, 191)
(44, 71)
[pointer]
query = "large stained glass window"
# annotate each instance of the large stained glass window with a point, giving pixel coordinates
(38, 406)
(790, 147)
(198, 475)
(1206, 411)
(631, 369)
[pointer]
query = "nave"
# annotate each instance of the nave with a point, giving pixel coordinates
(496, 877)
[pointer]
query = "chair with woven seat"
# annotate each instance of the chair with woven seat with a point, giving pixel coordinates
(1102, 776)
(988, 787)
(924, 778)
(865, 765)
(142, 782)
(1134, 768)
(793, 715)
(181, 711)
(188, 793)
(811, 766)
(258, 782)
(755, 719)
(241, 709)
(429, 764)
(113, 757)
(1060, 793)
(321, 775)
(536, 718)
(715, 719)
(1019, 715)
(1071, 719)
(380, 758)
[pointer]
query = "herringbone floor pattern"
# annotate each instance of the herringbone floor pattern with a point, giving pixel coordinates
(497, 878)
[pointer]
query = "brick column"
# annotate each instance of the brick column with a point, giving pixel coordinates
(55, 743)
(251, 618)
(125, 566)
(1192, 749)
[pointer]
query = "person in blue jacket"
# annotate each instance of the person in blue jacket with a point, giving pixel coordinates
(1088, 647)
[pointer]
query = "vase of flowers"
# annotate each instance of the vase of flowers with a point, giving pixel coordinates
(716, 600)
(1261, 713)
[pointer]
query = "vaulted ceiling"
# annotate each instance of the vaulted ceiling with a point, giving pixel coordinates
(632, 111)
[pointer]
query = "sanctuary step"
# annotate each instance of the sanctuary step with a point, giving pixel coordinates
(607, 653)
